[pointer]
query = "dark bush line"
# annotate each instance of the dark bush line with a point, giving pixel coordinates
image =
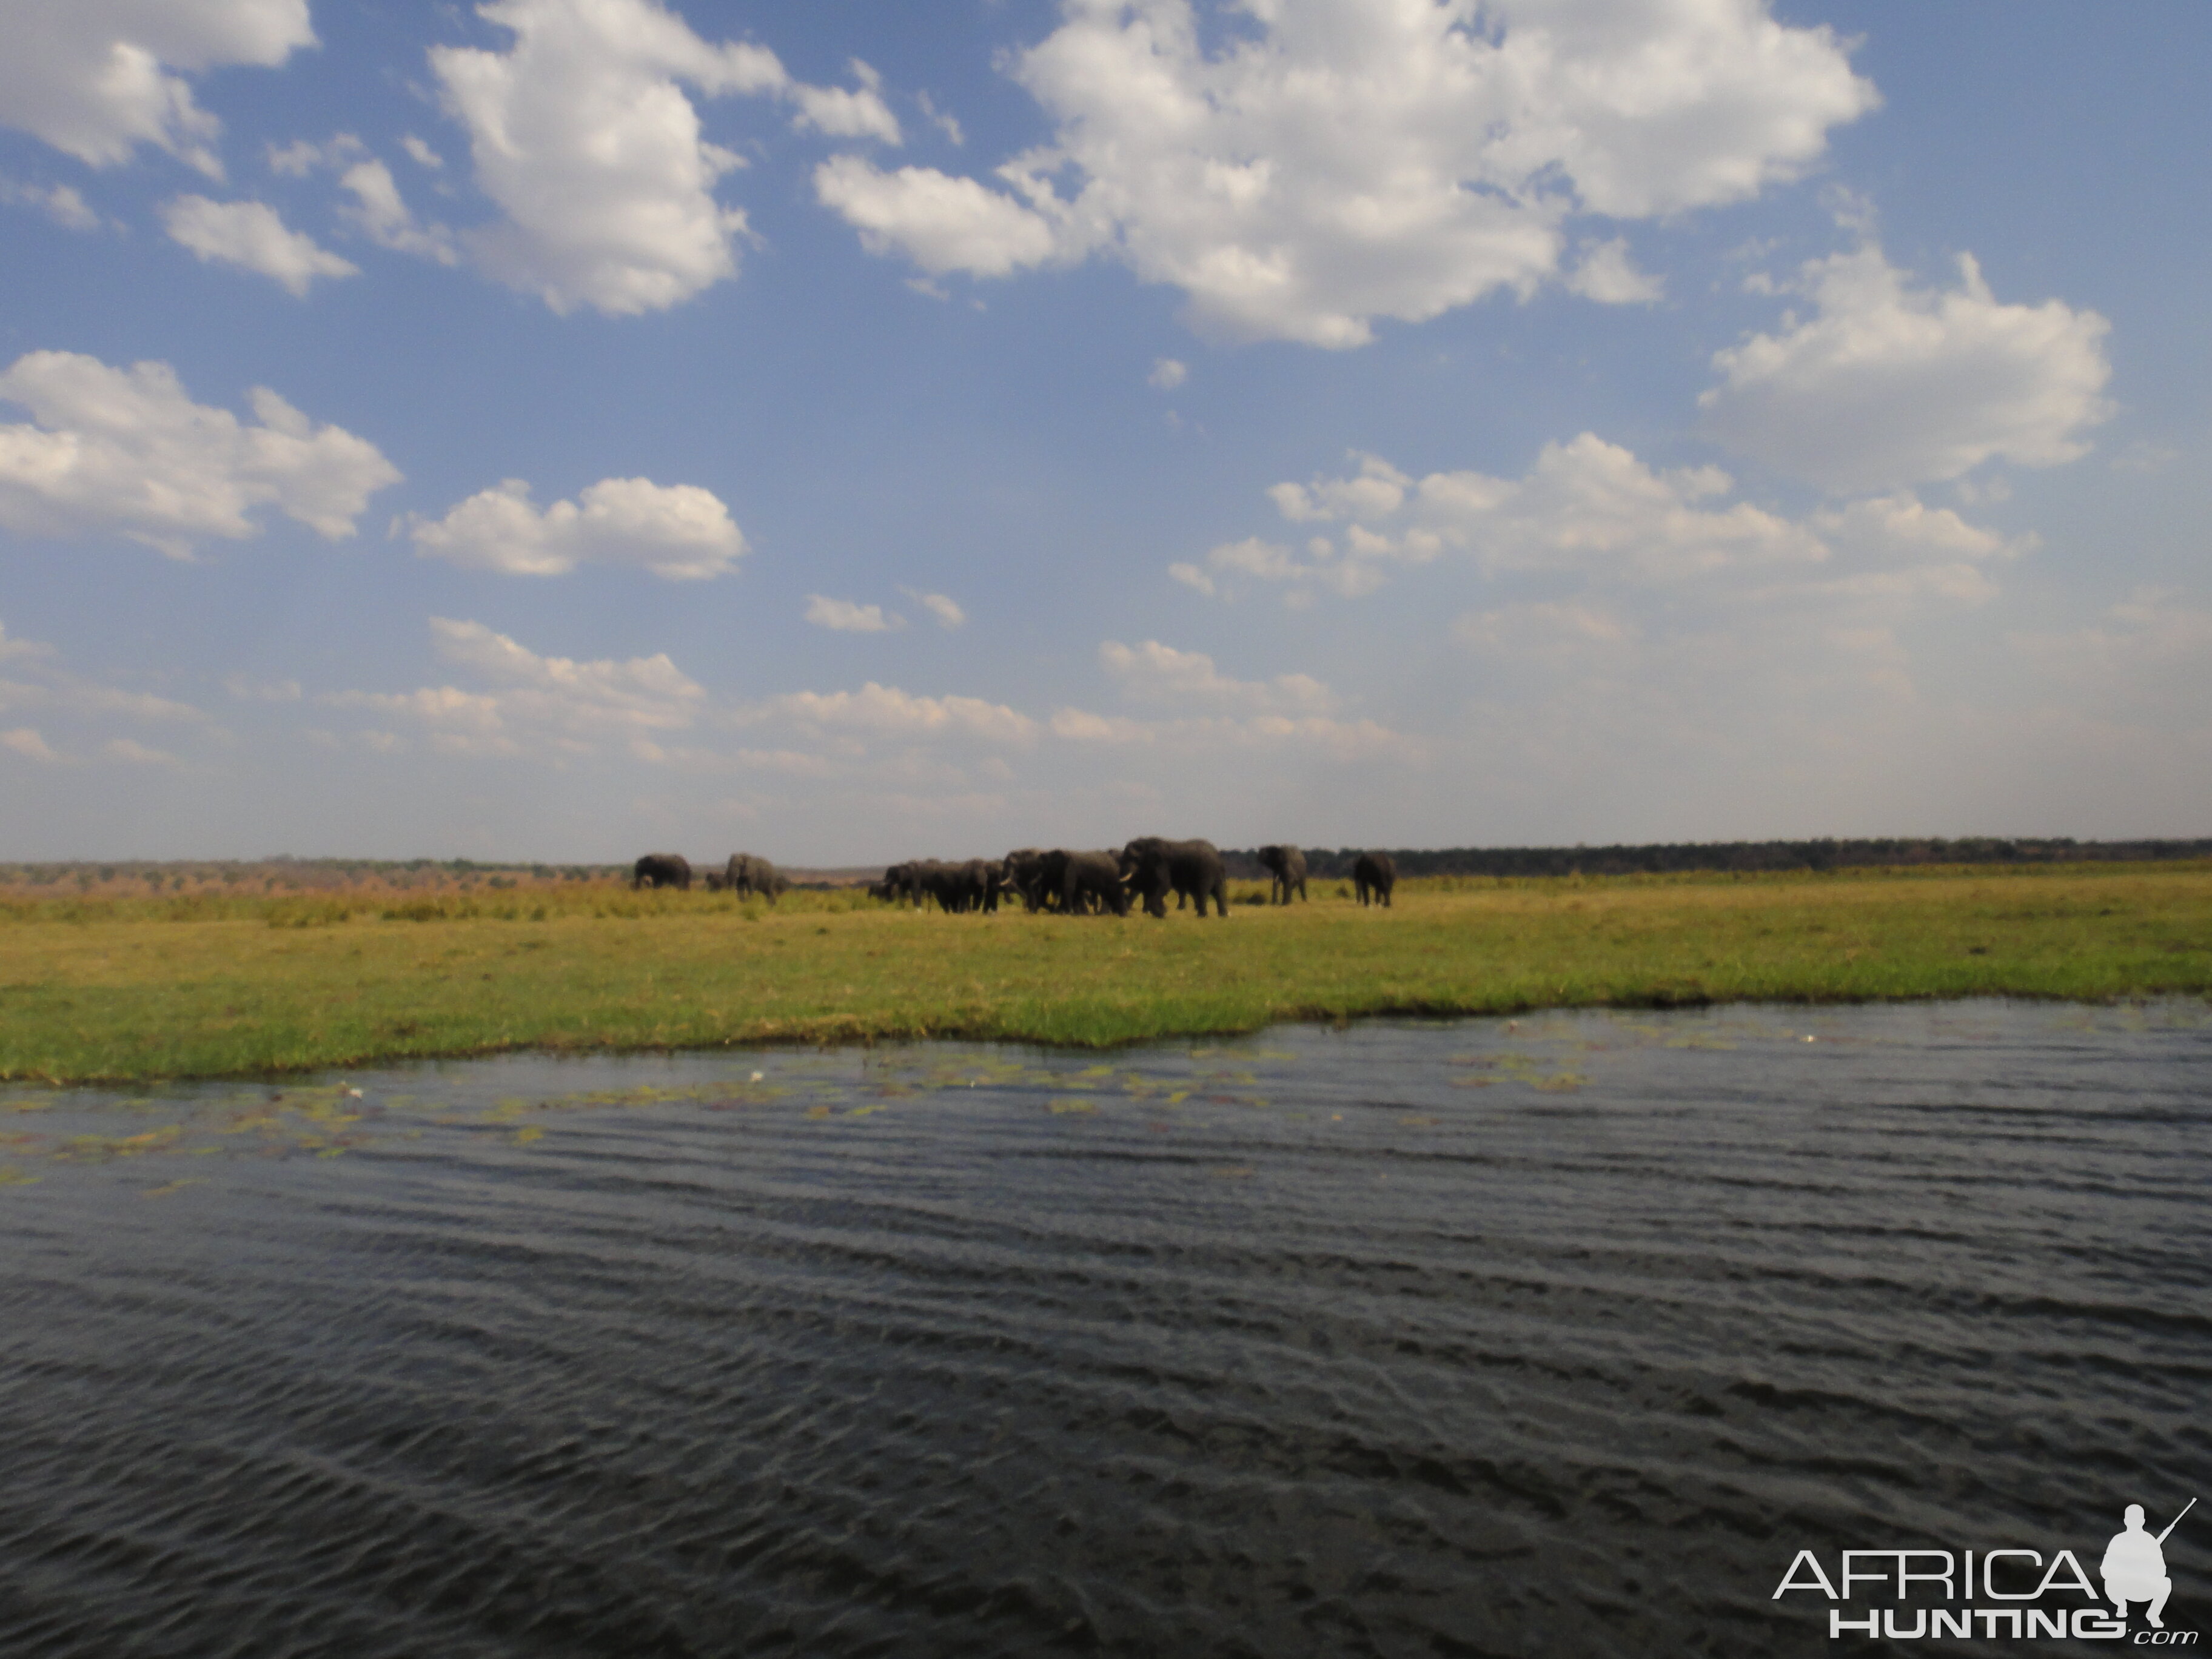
(1744, 855)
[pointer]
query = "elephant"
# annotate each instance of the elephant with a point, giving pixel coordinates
(662, 870)
(976, 881)
(1152, 867)
(1374, 872)
(958, 887)
(953, 886)
(913, 882)
(1052, 878)
(748, 873)
(1093, 880)
(1288, 867)
(987, 879)
(1034, 874)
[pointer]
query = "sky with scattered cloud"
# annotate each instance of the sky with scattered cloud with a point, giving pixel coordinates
(552, 428)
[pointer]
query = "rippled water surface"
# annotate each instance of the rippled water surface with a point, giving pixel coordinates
(1558, 1337)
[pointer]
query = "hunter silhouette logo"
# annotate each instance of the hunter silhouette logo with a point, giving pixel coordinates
(2010, 1593)
(2135, 1565)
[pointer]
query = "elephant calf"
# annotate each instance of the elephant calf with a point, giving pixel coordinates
(1374, 873)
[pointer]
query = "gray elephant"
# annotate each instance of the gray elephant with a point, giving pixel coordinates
(1035, 875)
(1153, 868)
(931, 879)
(662, 870)
(1288, 867)
(748, 873)
(1373, 873)
(1093, 881)
(911, 882)
(957, 888)
(987, 880)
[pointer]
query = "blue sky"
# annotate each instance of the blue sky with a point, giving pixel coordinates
(847, 431)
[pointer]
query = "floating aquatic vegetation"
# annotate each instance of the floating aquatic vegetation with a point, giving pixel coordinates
(327, 1119)
(91, 1149)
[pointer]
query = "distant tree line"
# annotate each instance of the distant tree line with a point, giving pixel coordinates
(1825, 854)
(1241, 865)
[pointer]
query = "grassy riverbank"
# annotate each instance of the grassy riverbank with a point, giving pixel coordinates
(131, 989)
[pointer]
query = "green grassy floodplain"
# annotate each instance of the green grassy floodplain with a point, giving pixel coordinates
(134, 989)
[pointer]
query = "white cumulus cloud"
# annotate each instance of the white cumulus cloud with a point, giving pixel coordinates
(1607, 275)
(1153, 673)
(679, 532)
(1586, 506)
(127, 451)
(1889, 385)
(885, 711)
(62, 203)
(535, 703)
(303, 156)
(24, 740)
(583, 135)
(947, 612)
(1326, 163)
(941, 222)
(252, 235)
(844, 616)
(98, 78)
(378, 209)
(1593, 514)
(847, 113)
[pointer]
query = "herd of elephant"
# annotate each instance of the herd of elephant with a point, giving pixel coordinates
(746, 874)
(1102, 882)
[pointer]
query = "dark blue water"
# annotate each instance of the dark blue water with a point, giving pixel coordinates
(1559, 1337)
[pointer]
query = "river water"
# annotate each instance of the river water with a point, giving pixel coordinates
(1555, 1336)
